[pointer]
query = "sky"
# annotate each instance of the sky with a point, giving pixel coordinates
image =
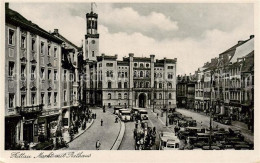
(192, 33)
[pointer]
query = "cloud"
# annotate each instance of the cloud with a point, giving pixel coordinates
(131, 32)
(129, 20)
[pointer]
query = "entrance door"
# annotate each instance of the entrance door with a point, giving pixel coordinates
(28, 132)
(142, 100)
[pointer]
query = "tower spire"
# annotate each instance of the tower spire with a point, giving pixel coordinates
(92, 3)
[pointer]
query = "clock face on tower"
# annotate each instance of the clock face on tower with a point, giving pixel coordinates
(93, 41)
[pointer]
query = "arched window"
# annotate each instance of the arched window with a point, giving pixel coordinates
(160, 96)
(119, 96)
(141, 74)
(160, 85)
(125, 84)
(170, 96)
(125, 96)
(155, 84)
(147, 65)
(109, 84)
(147, 84)
(135, 64)
(147, 74)
(135, 74)
(141, 65)
(119, 85)
(141, 84)
(109, 95)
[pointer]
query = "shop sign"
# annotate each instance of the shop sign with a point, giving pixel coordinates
(51, 112)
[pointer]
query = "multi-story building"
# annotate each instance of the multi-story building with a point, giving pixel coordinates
(133, 81)
(199, 87)
(34, 89)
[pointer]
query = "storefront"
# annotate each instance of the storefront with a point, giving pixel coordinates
(12, 132)
(49, 123)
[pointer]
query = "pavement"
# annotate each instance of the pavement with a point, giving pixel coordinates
(106, 134)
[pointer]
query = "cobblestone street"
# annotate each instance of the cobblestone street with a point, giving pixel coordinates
(106, 134)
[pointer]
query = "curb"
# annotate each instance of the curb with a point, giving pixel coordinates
(120, 135)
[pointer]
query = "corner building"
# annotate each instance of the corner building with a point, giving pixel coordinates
(133, 81)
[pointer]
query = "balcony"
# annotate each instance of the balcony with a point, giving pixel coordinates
(23, 56)
(23, 85)
(33, 58)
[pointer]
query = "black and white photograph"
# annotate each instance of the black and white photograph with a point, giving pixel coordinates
(89, 76)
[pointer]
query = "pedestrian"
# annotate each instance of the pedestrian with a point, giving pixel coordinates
(98, 144)
(101, 122)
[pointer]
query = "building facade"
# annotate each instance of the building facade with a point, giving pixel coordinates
(34, 89)
(132, 81)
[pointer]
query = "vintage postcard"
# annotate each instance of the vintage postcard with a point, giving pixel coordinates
(82, 80)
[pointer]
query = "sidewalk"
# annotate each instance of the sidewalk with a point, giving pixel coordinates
(106, 134)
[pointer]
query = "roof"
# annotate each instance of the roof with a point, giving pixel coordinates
(248, 63)
(243, 50)
(17, 19)
(57, 34)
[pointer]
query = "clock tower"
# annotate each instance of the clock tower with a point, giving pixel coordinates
(92, 36)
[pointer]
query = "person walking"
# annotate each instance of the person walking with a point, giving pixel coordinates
(101, 122)
(98, 145)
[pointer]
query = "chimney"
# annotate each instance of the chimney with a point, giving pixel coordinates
(56, 31)
(7, 5)
(252, 36)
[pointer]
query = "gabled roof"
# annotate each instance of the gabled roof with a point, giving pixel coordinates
(17, 19)
(243, 50)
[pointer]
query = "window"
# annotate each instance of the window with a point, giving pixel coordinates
(42, 47)
(65, 96)
(147, 85)
(147, 74)
(154, 95)
(64, 75)
(55, 97)
(169, 85)
(125, 84)
(147, 65)
(33, 98)
(141, 74)
(170, 96)
(11, 68)
(33, 44)
(155, 75)
(119, 96)
(109, 64)
(141, 65)
(109, 84)
(109, 95)
(135, 74)
(42, 73)
(33, 72)
(11, 100)
(135, 64)
(119, 84)
(111, 73)
(49, 98)
(23, 99)
(155, 84)
(23, 42)
(125, 96)
(170, 67)
(170, 76)
(126, 74)
(107, 73)
(55, 74)
(93, 53)
(135, 85)
(11, 37)
(160, 85)
(141, 84)
(55, 52)
(119, 74)
(22, 70)
(42, 98)
(49, 74)
(160, 96)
